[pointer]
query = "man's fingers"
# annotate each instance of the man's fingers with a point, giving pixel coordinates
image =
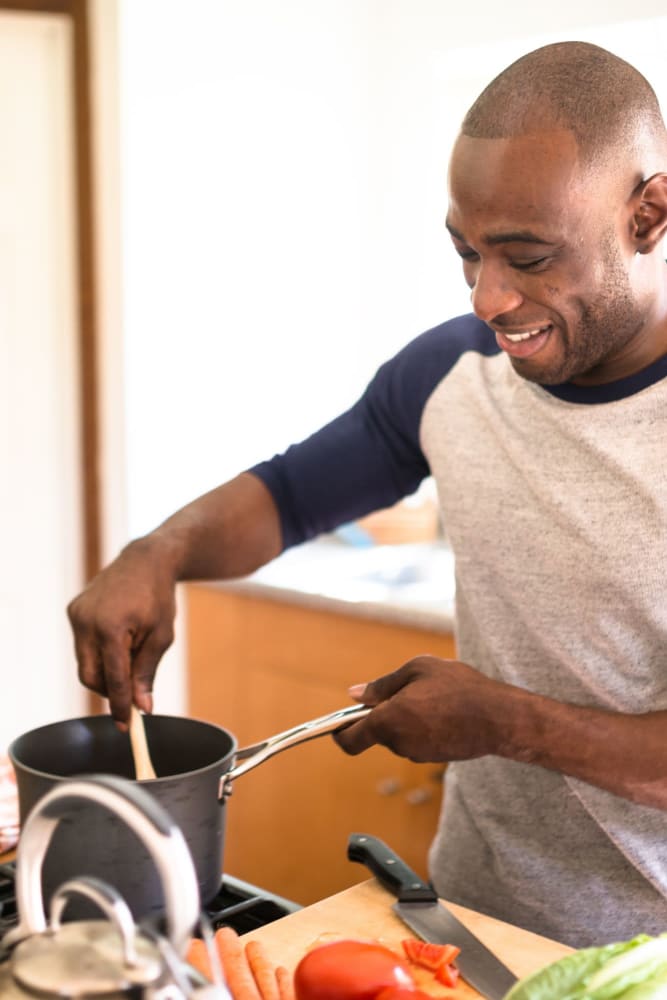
(143, 699)
(116, 663)
(384, 687)
(144, 666)
(119, 669)
(90, 670)
(359, 736)
(359, 692)
(382, 725)
(355, 738)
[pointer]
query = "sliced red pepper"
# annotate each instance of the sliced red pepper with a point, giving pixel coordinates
(423, 953)
(447, 974)
(451, 953)
(428, 955)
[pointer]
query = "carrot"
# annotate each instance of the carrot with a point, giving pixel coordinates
(235, 965)
(198, 957)
(262, 970)
(285, 983)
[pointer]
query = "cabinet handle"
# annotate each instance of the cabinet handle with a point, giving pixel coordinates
(417, 796)
(388, 786)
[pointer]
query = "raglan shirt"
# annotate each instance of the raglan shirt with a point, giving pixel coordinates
(554, 500)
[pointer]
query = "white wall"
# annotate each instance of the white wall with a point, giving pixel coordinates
(246, 230)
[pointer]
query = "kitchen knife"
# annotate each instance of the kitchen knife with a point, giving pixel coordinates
(419, 907)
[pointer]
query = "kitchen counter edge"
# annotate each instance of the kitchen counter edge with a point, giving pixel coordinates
(378, 611)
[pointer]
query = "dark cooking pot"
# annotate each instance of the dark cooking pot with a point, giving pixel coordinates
(195, 763)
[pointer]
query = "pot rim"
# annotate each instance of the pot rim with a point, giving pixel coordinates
(226, 760)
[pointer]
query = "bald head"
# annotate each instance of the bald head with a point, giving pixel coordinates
(603, 100)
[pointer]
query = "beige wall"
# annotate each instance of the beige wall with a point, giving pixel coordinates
(40, 485)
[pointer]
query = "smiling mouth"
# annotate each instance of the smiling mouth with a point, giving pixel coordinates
(523, 343)
(516, 338)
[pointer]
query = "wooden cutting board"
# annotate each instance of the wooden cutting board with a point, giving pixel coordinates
(364, 911)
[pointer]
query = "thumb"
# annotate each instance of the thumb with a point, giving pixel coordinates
(380, 689)
(358, 692)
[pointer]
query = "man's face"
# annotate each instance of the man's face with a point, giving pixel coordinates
(548, 256)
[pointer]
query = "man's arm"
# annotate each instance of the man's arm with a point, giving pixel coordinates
(368, 457)
(124, 620)
(441, 710)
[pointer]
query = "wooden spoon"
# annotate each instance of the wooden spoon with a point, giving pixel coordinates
(143, 766)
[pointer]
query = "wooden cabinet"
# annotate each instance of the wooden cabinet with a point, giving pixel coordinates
(258, 666)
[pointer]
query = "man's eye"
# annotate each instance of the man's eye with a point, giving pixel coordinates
(530, 265)
(468, 255)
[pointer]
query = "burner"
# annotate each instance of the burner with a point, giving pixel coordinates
(238, 904)
(8, 915)
(244, 907)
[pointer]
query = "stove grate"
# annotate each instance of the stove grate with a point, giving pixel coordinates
(238, 904)
(245, 907)
(8, 914)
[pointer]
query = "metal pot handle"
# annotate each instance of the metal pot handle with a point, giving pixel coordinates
(251, 756)
(149, 821)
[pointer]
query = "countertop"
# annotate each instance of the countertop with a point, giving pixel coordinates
(364, 911)
(409, 584)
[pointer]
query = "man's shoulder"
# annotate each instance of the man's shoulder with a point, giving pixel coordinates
(448, 341)
(424, 363)
(428, 359)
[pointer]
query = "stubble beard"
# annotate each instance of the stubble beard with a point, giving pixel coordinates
(604, 327)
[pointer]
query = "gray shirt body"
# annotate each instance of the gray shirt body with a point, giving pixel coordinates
(555, 503)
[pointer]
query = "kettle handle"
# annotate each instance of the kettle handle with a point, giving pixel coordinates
(107, 899)
(148, 820)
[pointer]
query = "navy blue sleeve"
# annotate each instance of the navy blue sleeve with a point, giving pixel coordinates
(370, 456)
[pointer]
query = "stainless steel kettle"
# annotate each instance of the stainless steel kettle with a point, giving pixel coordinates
(111, 957)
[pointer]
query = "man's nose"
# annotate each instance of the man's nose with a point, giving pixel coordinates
(492, 294)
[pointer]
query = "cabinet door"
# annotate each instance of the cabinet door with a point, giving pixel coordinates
(259, 667)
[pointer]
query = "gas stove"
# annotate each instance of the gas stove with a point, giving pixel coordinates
(238, 904)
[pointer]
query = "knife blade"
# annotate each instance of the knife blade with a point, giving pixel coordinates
(418, 906)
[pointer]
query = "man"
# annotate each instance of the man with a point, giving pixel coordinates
(543, 419)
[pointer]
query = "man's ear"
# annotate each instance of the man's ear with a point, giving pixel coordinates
(650, 216)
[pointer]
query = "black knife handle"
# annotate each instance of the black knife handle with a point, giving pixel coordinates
(389, 869)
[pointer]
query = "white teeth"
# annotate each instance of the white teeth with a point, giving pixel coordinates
(516, 337)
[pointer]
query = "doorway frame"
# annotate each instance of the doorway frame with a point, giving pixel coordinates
(88, 344)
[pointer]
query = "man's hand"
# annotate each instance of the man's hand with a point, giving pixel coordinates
(432, 710)
(123, 622)
(429, 710)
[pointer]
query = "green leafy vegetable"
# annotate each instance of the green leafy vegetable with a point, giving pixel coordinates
(631, 970)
